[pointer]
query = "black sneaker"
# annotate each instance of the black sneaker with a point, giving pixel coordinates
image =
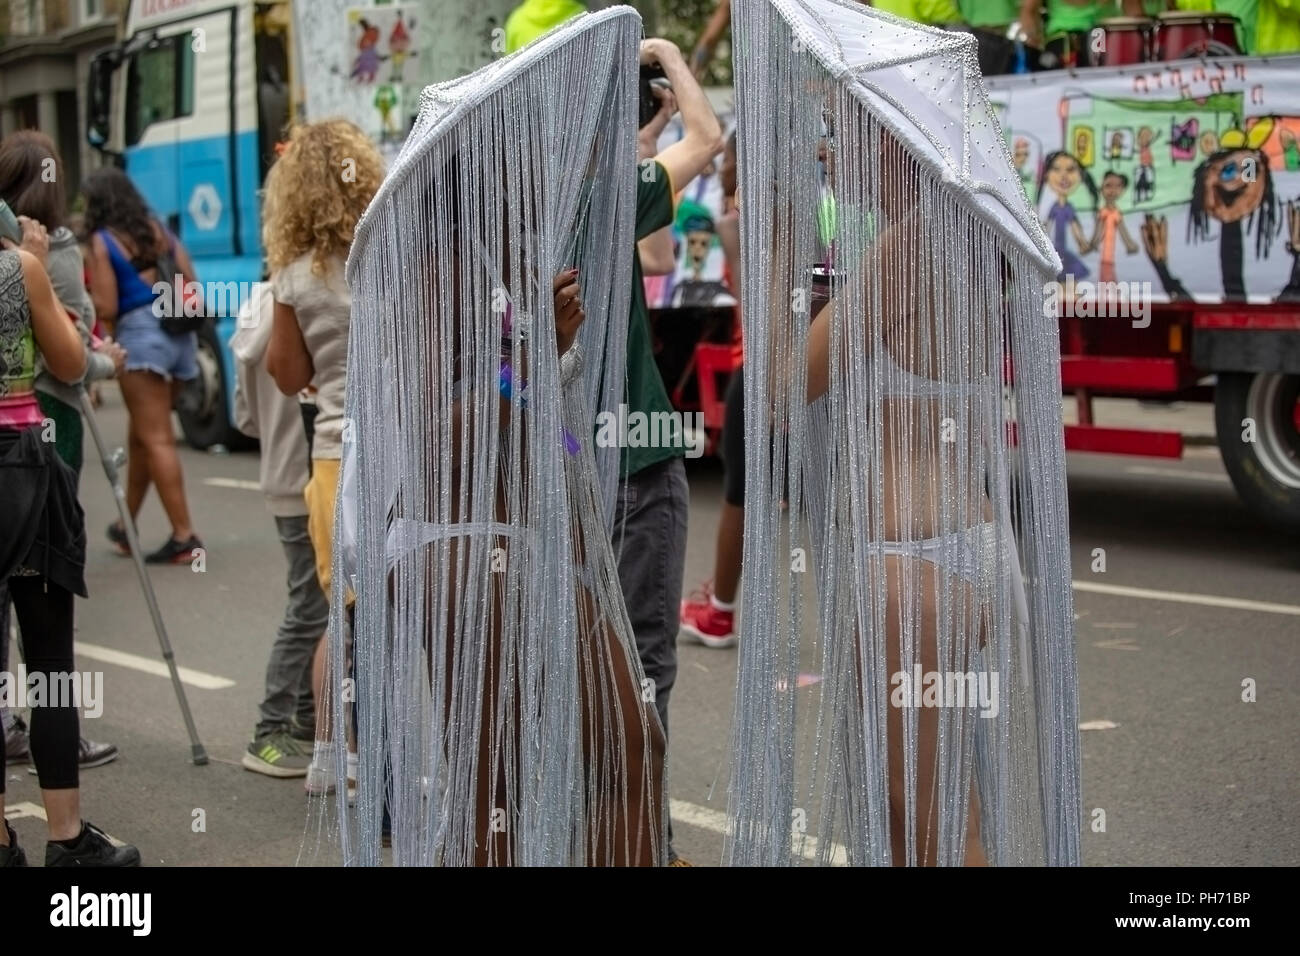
(12, 855)
(117, 535)
(175, 552)
(90, 754)
(93, 848)
(17, 744)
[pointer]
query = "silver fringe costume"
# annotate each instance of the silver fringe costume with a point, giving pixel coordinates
(500, 710)
(905, 533)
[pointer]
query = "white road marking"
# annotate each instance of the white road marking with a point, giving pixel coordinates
(1118, 644)
(1180, 597)
(148, 665)
(1098, 725)
(1175, 473)
(241, 483)
(17, 811)
(693, 815)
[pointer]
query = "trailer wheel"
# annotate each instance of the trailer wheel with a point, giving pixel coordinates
(202, 405)
(1265, 471)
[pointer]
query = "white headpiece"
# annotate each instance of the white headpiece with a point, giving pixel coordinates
(906, 538)
(499, 705)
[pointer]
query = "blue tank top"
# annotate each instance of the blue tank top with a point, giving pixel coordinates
(132, 291)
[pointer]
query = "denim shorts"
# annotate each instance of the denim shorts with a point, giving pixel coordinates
(150, 349)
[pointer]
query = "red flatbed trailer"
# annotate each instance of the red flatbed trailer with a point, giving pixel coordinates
(1244, 358)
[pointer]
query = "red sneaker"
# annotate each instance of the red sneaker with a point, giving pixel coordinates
(704, 622)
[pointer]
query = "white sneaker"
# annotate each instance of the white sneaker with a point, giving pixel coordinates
(320, 779)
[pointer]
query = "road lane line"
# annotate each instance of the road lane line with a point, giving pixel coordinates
(715, 821)
(241, 483)
(1179, 597)
(148, 665)
(1175, 473)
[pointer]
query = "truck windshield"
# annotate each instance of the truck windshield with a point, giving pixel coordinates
(159, 86)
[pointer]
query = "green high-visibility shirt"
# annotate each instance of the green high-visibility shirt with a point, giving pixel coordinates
(1080, 16)
(933, 12)
(1266, 26)
(989, 13)
(1277, 27)
(532, 18)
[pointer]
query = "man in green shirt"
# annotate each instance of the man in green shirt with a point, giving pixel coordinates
(1064, 35)
(649, 532)
(995, 15)
(532, 18)
(932, 12)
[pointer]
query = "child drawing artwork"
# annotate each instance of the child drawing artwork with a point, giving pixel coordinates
(399, 47)
(1110, 224)
(1144, 185)
(366, 65)
(1063, 174)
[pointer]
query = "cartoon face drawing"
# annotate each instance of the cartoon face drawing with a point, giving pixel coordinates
(1112, 187)
(1063, 175)
(1233, 184)
(697, 249)
(1020, 152)
(1145, 136)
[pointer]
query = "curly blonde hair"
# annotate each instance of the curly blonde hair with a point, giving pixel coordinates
(316, 191)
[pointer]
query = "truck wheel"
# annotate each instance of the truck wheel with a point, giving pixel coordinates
(202, 405)
(1266, 471)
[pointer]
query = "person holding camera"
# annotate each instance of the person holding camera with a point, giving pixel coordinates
(649, 532)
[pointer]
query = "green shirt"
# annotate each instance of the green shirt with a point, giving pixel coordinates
(532, 18)
(1246, 12)
(1076, 16)
(922, 11)
(644, 389)
(989, 13)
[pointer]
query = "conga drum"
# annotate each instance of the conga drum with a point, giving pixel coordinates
(1127, 40)
(1187, 34)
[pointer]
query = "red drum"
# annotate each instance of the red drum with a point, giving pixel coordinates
(1127, 40)
(1188, 34)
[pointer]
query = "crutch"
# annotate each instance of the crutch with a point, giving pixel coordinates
(112, 461)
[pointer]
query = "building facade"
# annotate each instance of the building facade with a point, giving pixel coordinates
(45, 52)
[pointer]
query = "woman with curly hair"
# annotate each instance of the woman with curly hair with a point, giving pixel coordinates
(127, 245)
(315, 193)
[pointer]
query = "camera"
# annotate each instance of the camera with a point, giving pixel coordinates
(649, 106)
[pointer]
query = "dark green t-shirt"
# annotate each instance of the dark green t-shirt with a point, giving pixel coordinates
(644, 389)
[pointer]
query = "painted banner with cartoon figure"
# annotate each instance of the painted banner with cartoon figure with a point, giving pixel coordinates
(1184, 175)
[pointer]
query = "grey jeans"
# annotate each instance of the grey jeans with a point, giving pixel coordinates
(650, 545)
(306, 615)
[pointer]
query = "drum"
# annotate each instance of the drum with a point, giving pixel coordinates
(1187, 34)
(1126, 40)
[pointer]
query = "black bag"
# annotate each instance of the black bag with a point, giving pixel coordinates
(168, 271)
(42, 526)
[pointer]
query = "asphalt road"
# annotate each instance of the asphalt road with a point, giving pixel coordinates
(1186, 772)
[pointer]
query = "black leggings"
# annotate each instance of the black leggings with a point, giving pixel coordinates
(45, 615)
